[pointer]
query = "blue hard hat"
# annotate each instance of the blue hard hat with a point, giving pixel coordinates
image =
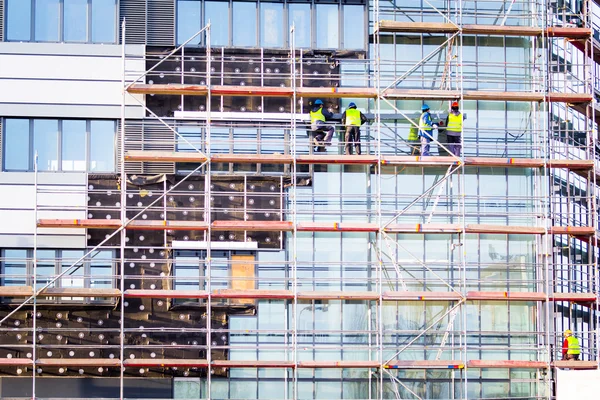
(352, 105)
(318, 102)
(425, 107)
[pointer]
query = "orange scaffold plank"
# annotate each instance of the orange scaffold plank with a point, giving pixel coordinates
(165, 156)
(15, 362)
(81, 292)
(252, 364)
(165, 362)
(115, 224)
(252, 294)
(357, 92)
(258, 226)
(79, 362)
(507, 296)
(165, 293)
(337, 295)
(573, 230)
(497, 30)
(573, 297)
(338, 364)
(506, 364)
(309, 226)
(423, 228)
(425, 364)
(421, 296)
(16, 291)
(571, 364)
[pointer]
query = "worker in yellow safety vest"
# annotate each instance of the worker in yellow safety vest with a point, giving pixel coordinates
(413, 139)
(352, 119)
(426, 126)
(454, 126)
(570, 349)
(321, 132)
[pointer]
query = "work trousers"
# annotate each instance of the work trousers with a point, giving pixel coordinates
(352, 139)
(454, 144)
(574, 357)
(425, 140)
(324, 132)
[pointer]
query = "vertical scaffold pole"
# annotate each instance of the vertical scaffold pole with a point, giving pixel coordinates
(123, 220)
(34, 284)
(208, 214)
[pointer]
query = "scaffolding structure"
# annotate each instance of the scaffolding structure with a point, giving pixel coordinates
(562, 221)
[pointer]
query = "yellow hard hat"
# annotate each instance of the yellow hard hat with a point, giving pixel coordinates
(568, 332)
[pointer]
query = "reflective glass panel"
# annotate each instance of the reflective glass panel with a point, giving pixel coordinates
(45, 142)
(14, 267)
(45, 267)
(75, 20)
(354, 27)
(244, 24)
(102, 146)
(47, 20)
(188, 21)
(101, 269)
(271, 24)
(74, 276)
(73, 145)
(217, 12)
(299, 16)
(16, 144)
(18, 20)
(104, 17)
(327, 26)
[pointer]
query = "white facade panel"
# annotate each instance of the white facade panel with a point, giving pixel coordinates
(577, 385)
(60, 80)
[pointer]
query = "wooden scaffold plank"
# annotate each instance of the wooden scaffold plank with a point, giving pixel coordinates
(507, 364)
(252, 364)
(425, 364)
(507, 296)
(337, 295)
(78, 362)
(166, 294)
(421, 296)
(575, 364)
(165, 362)
(338, 364)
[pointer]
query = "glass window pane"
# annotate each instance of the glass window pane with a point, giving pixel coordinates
(188, 21)
(354, 27)
(217, 12)
(299, 16)
(46, 267)
(73, 278)
(102, 146)
(75, 20)
(327, 26)
(18, 20)
(47, 20)
(14, 267)
(244, 24)
(45, 142)
(16, 144)
(271, 24)
(104, 16)
(73, 145)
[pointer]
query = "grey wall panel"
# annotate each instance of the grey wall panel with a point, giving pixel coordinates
(44, 241)
(134, 14)
(1, 148)
(59, 195)
(161, 23)
(1, 20)
(66, 79)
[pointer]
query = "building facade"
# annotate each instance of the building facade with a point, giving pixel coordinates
(169, 230)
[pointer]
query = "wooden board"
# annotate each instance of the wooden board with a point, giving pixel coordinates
(243, 276)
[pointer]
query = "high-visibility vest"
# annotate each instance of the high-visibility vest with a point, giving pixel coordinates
(424, 126)
(352, 117)
(413, 134)
(455, 123)
(573, 345)
(317, 116)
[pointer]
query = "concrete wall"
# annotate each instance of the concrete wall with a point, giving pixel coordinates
(17, 205)
(61, 80)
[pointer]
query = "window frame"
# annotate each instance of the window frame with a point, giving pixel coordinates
(58, 263)
(62, 22)
(285, 23)
(31, 155)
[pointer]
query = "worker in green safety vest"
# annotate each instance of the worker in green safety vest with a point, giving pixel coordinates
(570, 349)
(322, 133)
(413, 139)
(352, 120)
(454, 127)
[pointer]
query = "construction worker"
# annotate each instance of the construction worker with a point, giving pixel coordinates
(352, 120)
(322, 133)
(413, 139)
(454, 124)
(570, 349)
(426, 126)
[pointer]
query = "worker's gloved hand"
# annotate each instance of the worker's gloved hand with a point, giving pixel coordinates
(436, 126)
